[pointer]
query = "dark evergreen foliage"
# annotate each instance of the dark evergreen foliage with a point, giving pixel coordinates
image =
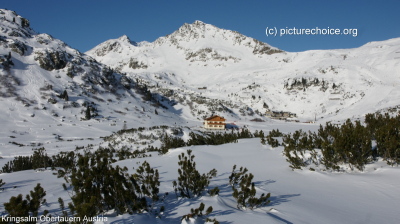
(275, 133)
(88, 114)
(190, 182)
(17, 207)
(197, 213)
(100, 187)
(63, 211)
(386, 131)
(2, 183)
(169, 142)
(39, 159)
(244, 189)
(24, 208)
(36, 199)
(346, 144)
(148, 180)
(64, 95)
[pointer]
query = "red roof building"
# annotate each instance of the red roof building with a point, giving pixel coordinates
(215, 122)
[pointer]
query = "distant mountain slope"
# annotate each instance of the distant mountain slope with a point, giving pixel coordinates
(239, 70)
(47, 87)
(196, 44)
(178, 79)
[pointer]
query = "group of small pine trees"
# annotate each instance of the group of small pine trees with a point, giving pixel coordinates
(18, 207)
(270, 138)
(384, 129)
(40, 159)
(346, 144)
(96, 186)
(192, 184)
(197, 213)
(99, 187)
(212, 138)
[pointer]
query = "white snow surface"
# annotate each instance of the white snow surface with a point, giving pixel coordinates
(296, 196)
(199, 55)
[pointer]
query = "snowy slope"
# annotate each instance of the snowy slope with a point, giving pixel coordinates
(36, 69)
(339, 84)
(296, 197)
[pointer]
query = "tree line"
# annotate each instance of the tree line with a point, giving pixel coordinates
(350, 143)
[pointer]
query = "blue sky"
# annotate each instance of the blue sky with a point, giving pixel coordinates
(83, 24)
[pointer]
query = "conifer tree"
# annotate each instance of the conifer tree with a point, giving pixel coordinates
(244, 190)
(17, 207)
(2, 183)
(65, 95)
(87, 113)
(148, 180)
(62, 206)
(36, 199)
(190, 182)
(197, 213)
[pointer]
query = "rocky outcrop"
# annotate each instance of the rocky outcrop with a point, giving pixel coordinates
(50, 60)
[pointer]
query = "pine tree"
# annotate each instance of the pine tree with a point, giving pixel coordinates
(62, 208)
(197, 213)
(65, 95)
(17, 207)
(190, 182)
(148, 180)
(36, 199)
(87, 113)
(244, 190)
(2, 183)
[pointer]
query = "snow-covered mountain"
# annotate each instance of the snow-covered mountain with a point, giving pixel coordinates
(179, 79)
(244, 73)
(192, 44)
(48, 90)
(46, 87)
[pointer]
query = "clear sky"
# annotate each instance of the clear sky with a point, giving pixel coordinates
(83, 24)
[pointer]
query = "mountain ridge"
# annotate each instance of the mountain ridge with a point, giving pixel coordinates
(180, 80)
(197, 53)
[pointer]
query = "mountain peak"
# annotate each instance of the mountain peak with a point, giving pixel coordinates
(125, 39)
(199, 33)
(13, 17)
(199, 23)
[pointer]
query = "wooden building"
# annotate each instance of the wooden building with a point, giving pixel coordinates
(215, 123)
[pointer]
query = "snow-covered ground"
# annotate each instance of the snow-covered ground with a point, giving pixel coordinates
(296, 196)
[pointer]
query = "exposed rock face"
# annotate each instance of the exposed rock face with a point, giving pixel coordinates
(18, 47)
(51, 60)
(19, 43)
